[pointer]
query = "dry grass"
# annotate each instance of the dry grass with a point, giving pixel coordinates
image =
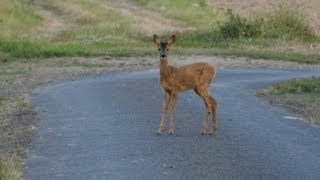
(75, 27)
(11, 167)
(254, 8)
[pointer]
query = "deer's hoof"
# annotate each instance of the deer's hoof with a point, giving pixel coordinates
(171, 131)
(213, 131)
(159, 132)
(203, 131)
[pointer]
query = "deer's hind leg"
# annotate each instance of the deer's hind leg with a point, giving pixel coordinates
(214, 114)
(203, 93)
(174, 98)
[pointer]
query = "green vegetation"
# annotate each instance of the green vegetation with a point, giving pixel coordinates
(229, 34)
(2, 98)
(91, 28)
(194, 13)
(310, 87)
(94, 27)
(16, 18)
(11, 167)
(283, 23)
(259, 37)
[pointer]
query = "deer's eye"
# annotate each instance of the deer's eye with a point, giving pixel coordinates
(167, 49)
(159, 49)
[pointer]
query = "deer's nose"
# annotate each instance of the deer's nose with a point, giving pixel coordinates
(162, 56)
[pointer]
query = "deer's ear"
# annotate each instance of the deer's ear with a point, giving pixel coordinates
(171, 40)
(156, 39)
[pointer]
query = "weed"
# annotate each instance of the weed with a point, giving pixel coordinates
(11, 167)
(23, 101)
(283, 23)
(16, 18)
(195, 13)
(26, 48)
(2, 99)
(298, 86)
(237, 27)
(99, 29)
(286, 23)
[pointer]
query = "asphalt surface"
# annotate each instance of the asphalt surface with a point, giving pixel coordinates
(104, 127)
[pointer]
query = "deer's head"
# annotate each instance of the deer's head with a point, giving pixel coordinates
(164, 47)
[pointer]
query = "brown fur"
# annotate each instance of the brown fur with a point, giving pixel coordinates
(173, 80)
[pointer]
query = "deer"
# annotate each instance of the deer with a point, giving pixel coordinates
(173, 80)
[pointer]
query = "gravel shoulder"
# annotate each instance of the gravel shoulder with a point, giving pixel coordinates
(18, 122)
(302, 106)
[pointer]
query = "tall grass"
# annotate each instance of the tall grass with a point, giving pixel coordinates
(308, 87)
(16, 18)
(282, 24)
(194, 13)
(11, 168)
(26, 48)
(94, 28)
(298, 86)
(97, 23)
(289, 24)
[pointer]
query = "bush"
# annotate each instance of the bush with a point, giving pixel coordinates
(283, 23)
(237, 27)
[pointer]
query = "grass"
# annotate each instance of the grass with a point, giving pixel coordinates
(2, 98)
(15, 71)
(288, 24)
(16, 18)
(282, 28)
(11, 162)
(284, 23)
(309, 87)
(11, 167)
(24, 101)
(26, 48)
(273, 36)
(92, 29)
(194, 13)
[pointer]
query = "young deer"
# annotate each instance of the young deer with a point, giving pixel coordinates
(173, 80)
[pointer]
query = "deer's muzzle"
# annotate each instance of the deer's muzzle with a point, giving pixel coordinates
(163, 56)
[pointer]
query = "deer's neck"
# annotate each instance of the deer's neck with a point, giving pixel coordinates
(165, 69)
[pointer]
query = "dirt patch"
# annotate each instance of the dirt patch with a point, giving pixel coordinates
(147, 21)
(59, 16)
(301, 105)
(16, 130)
(256, 8)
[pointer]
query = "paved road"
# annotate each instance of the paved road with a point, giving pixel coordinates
(104, 127)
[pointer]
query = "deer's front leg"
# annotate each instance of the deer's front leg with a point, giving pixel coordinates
(173, 109)
(164, 112)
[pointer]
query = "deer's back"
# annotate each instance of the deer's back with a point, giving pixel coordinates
(190, 76)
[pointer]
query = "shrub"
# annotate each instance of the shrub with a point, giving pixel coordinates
(284, 23)
(237, 27)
